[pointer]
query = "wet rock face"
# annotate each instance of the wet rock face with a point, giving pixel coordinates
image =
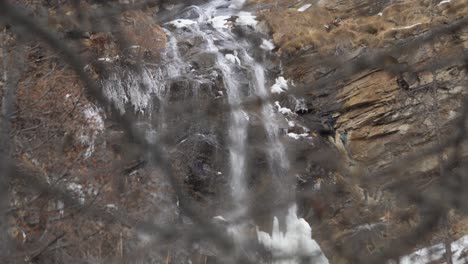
(203, 172)
(180, 89)
(197, 123)
(187, 45)
(203, 61)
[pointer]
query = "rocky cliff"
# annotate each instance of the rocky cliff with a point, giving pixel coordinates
(388, 78)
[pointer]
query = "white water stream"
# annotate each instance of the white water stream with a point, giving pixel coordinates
(214, 26)
(213, 23)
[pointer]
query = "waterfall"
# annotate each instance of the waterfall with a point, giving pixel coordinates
(239, 118)
(279, 163)
(216, 53)
(213, 25)
(175, 66)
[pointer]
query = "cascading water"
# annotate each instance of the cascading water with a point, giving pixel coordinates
(226, 55)
(213, 27)
(239, 118)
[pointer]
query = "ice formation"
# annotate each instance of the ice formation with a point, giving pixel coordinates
(295, 244)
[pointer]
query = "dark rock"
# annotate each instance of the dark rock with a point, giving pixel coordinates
(203, 60)
(179, 90)
(134, 166)
(188, 46)
(191, 12)
(76, 34)
(401, 82)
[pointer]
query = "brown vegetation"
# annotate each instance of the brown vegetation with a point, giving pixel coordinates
(60, 135)
(321, 30)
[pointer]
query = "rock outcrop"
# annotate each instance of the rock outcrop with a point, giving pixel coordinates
(387, 101)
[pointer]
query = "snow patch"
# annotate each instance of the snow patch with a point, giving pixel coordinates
(407, 27)
(246, 19)
(25, 238)
(60, 208)
(283, 110)
(304, 7)
(280, 86)
(233, 58)
(318, 185)
(444, 2)
(246, 116)
(78, 190)
(151, 136)
(109, 59)
(111, 206)
(452, 114)
(267, 45)
(93, 118)
(220, 22)
(94, 127)
(294, 243)
(220, 218)
(298, 136)
(144, 238)
(237, 4)
(181, 23)
(437, 252)
(243, 19)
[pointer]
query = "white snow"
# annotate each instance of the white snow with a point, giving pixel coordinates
(246, 19)
(318, 185)
(151, 136)
(220, 22)
(280, 86)
(233, 58)
(181, 23)
(106, 59)
(283, 110)
(294, 243)
(444, 2)
(298, 136)
(304, 8)
(267, 45)
(237, 4)
(246, 116)
(60, 206)
(380, 14)
(25, 238)
(111, 206)
(94, 126)
(109, 59)
(436, 252)
(220, 218)
(78, 190)
(93, 118)
(407, 27)
(144, 238)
